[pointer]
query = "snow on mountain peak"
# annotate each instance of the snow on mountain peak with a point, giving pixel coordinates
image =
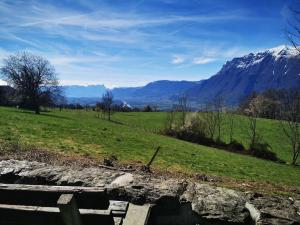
(283, 51)
(279, 52)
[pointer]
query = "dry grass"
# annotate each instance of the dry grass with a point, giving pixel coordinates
(19, 151)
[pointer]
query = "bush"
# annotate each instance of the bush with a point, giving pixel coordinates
(234, 145)
(195, 130)
(147, 108)
(262, 150)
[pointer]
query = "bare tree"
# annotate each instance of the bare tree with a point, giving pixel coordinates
(231, 117)
(107, 101)
(60, 101)
(218, 104)
(147, 108)
(253, 111)
(290, 118)
(183, 108)
(155, 107)
(33, 78)
(210, 119)
(99, 108)
(170, 120)
(293, 29)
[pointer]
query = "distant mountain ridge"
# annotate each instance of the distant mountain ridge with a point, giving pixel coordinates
(154, 91)
(163, 90)
(275, 68)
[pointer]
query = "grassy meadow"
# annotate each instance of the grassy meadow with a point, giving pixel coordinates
(132, 137)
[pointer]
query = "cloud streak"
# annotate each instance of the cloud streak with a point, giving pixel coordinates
(90, 40)
(202, 60)
(177, 59)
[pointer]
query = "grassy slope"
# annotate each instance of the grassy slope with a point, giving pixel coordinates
(269, 130)
(82, 132)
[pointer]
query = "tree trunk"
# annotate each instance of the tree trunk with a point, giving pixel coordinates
(37, 109)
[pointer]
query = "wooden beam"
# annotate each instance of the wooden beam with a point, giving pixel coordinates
(53, 209)
(16, 215)
(68, 209)
(137, 215)
(50, 188)
(36, 215)
(118, 208)
(42, 195)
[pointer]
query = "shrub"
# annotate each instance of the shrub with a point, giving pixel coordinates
(262, 150)
(195, 130)
(234, 145)
(147, 108)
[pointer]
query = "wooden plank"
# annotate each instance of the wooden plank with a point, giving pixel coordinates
(50, 188)
(69, 210)
(118, 213)
(137, 215)
(42, 195)
(118, 220)
(118, 205)
(118, 208)
(33, 216)
(36, 215)
(53, 209)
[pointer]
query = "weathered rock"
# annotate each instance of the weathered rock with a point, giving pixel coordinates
(194, 202)
(276, 210)
(123, 180)
(137, 188)
(214, 203)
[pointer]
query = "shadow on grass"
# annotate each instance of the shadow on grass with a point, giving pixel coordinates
(112, 121)
(116, 122)
(43, 114)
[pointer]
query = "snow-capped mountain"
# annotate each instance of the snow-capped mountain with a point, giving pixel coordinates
(276, 68)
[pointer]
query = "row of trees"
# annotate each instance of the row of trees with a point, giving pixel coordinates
(206, 127)
(283, 105)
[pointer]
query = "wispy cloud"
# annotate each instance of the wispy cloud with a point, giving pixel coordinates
(177, 59)
(202, 60)
(81, 59)
(101, 19)
(94, 41)
(99, 25)
(210, 53)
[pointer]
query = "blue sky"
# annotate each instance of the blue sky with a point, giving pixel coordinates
(133, 42)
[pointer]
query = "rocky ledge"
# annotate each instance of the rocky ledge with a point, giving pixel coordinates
(195, 203)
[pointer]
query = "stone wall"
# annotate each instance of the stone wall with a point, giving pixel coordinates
(177, 201)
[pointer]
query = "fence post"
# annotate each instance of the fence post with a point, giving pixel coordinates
(69, 210)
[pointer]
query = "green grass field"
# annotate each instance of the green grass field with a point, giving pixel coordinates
(132, 138)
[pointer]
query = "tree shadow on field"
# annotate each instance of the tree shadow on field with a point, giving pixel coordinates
(44, 114)
(114, 121)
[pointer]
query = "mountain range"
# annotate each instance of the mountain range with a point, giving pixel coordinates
(275, 68)
(155, 91)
